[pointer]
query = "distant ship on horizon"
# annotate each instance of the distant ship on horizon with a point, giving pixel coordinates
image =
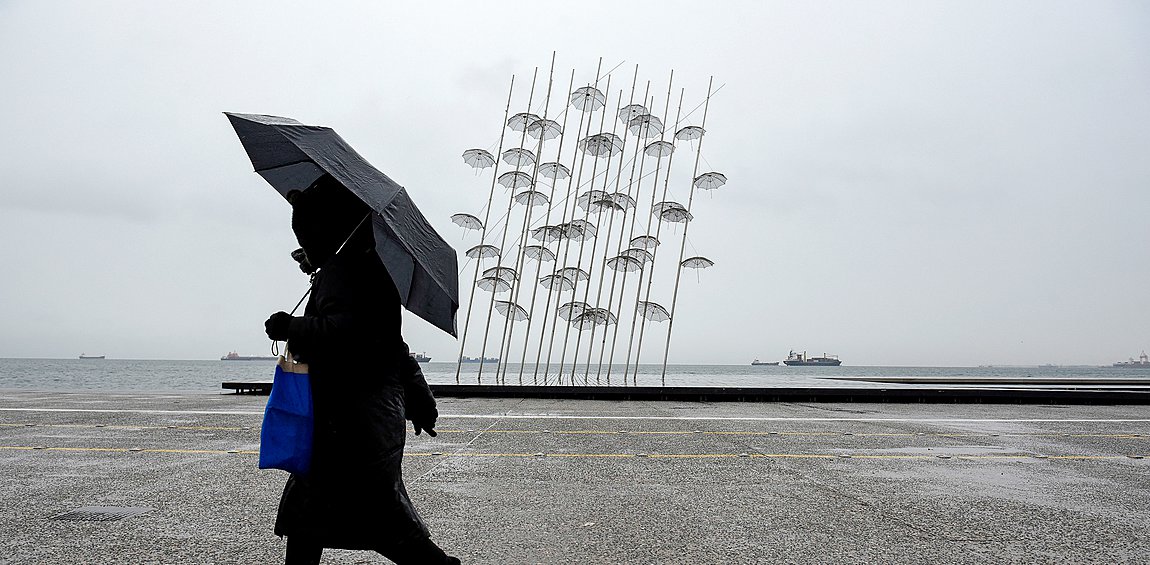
(801, 360)
(233, 356)
(466, 359)
(757, 362)
(83, 356)
(421, 357)
(1143, 362)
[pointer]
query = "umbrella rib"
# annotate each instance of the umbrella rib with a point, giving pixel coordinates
(286, 165)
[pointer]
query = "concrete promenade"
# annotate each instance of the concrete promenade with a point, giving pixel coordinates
(512, 481)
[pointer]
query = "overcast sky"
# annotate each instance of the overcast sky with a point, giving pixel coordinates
(911, 183)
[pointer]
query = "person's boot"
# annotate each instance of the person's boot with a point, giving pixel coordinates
(418, 550)
(302, 551)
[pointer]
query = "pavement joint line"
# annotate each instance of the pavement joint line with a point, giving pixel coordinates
(461, 448)
(741, 455)
(546, 416)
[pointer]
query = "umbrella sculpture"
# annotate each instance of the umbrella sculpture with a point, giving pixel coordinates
(506, 273)
(291, 155)
(546, 129)
(518, 157)
(557, 171)
(591, 246)
(483, 252)
(539, 253)
(467, 221)
(478, 158)
(710, 181)
(653, 312)
(689, 133)
(627, 113)
(493, 284)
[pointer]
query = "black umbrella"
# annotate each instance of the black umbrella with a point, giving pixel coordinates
(291, 156)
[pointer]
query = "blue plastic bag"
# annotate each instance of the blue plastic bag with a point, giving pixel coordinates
(289, 421)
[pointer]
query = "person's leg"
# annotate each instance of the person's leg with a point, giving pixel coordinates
(419, 550)
(302, 551)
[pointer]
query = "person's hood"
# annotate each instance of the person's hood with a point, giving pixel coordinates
(324, 216)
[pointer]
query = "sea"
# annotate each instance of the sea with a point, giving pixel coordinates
(184, 376)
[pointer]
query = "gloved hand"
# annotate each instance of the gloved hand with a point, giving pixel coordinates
(425, 421)
(277, 326)
(304, 265)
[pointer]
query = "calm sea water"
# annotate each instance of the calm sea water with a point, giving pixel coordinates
(206, 376)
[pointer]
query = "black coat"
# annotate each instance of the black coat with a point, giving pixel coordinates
(364, 384)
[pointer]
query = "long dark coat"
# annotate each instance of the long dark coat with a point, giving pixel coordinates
(362, 376)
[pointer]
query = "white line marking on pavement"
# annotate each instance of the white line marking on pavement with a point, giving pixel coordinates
(589, 417)
(782, 418)
(124, 411)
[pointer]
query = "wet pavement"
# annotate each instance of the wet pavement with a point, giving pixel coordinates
(580, 481)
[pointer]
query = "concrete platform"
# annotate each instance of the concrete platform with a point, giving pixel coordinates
(513, 481)
(989, 391)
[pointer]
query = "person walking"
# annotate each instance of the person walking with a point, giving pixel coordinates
(365, 384)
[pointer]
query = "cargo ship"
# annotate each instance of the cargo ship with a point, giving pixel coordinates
(466, 359)
(421, 357)
(1143, 362)
(233, 356)
(801, 360)
(82, 356)
(757, 362)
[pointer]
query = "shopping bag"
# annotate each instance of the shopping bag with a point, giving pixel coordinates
(289, 420)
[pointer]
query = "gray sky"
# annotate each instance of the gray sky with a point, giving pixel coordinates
(911, 183)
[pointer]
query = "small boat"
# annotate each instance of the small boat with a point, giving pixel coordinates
(1143, 362)
(757, 362)
(801, 360)
(421, 357)
(233, 356)
(82, 356)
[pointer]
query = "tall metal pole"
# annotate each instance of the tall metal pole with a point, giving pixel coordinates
(539, 267)
(651, 273)
(573, 190)
(602, 272)
(658, 230)
(631, 184)
(568, 202)
(505, 351)
(582, 243)
(503, 237)
(483, 232)
(683, 243)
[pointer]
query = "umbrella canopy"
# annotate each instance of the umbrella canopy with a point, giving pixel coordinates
(291, 156)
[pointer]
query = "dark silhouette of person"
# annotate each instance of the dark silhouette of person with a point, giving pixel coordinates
(365, 383)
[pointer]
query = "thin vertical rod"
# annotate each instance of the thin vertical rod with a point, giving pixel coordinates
(602, 272)
(658, 230)
(635, 159)
(539, 263)
(583, 243)
(683, 243)
(651, 274)
(503, 238)
(567, 202)
(572, 191)
(483, 232)
(505, 353)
